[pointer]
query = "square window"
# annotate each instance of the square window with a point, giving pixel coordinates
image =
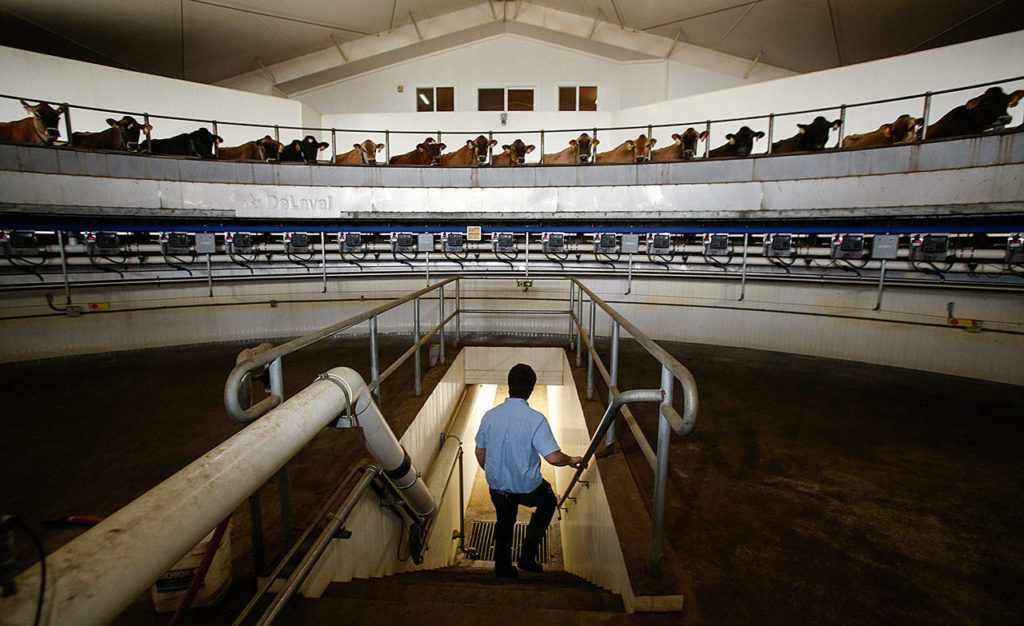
(445, 99)
(566, 98)
(520, 99)
(588, 98)
(490, 99)
(425, 99)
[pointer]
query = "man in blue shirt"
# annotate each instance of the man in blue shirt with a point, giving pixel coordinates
(509, 444)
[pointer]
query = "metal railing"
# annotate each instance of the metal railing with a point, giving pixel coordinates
(767, 119)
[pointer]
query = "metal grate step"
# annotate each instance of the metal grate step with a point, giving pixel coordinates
(481, 539)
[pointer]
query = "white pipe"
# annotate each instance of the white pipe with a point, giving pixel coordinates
(91, 579)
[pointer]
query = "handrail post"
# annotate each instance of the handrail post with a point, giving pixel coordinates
(64, 266)
(149, 136)
(440, 319)
(387, 147)
(579, 335)
(771, 130)
(572, 302)
(284, 482)
(334, 145)
(541, 147)
(590, 352)
(660, 476)
(458, 311)
(842, 126)
(277, 138)
(67, 124)
(743, 267)
(416, 341)
(613, 376)
(707, 140)
(213, 123)
(374, 368)
(924, 114)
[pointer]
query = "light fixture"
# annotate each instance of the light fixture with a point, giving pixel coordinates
(423, 97)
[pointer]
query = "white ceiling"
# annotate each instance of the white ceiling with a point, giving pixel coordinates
(211, 40)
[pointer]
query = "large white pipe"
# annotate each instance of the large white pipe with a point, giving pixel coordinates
(91, 579)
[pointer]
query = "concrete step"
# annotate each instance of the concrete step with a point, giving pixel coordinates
(556, 591)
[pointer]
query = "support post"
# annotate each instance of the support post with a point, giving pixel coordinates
(323, 261)
(416, 341)
(743, 267)
(660, 476)
(284, 483)
(458, 311)
(590, 354)
(881, 286)
(209, 274)
(924, 114)
(67, 124)
(374, 368)
(64, 267)
(527, 269)
(613, 375)
(579, 335)
(259, 552)
(572, 301)
(440, 319)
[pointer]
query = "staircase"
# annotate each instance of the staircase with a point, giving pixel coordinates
(461, 595)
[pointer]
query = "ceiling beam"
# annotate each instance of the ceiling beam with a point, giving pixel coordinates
(279, 16)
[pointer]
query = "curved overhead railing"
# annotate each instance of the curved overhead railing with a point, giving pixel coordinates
(924, 100)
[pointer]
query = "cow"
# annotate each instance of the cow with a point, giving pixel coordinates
(989, 110)
(684, 148)
(198, 143)
(632, 151)
(265, 149)
(904, 130)
(473, 153)
(579, 151)
(304, 151)
(426, 153)
(363, 154)
(513, 153)
(122, 135)
(811, 137)
(740, 144)
(41, 127)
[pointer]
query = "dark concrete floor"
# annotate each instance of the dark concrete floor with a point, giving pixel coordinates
(813, 490)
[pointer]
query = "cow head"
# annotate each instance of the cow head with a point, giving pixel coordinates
(642, 148)
(744, 140)
(584, 147)
(368, 151)
(480, 147)
(129, 130)
(45, 120)
(906, 129)
(311, 148)
(270, 150)
(203, 142)
(517, 151)
(816, 133)
(432, 150)
(689, 140)
(990, 108)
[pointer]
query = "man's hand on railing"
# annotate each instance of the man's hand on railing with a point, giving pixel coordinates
(577, 462)
(560, 459)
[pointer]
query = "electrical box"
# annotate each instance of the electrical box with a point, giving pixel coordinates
(404, 242)
(778, 245)
(453, 242)
(425, 242)
(659, 243)
(176, 243)
(929, 247)
(716, 245)
(19, 242)
(296, 243)
(630, 243)
(350, 242)
(103, 243)
(206, 243)
(554, 243)
(240, 243)
(605, 243)
(1015, 248)
(847, 246)
(503, 242)
(885, 246)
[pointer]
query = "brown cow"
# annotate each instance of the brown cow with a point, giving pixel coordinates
(426, 153)
(122, 135)
(684, 148)
(265, 149)
(632, 151)
(513, 154)
(579, 151)
(473, 153)
(984, 112)
(364, 154)
(905, 129)
(40, 128)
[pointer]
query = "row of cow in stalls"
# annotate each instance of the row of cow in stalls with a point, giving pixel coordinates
(982, 113)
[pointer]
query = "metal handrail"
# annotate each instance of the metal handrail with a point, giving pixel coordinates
(434, 132)
(236, 378)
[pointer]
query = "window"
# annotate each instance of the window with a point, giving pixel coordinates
(435, 99)
(577, 98)
(493, 99)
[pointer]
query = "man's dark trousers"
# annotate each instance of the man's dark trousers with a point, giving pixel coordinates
(506, 505)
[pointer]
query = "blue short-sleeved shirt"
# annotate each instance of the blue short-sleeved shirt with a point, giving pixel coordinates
(515, 437)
